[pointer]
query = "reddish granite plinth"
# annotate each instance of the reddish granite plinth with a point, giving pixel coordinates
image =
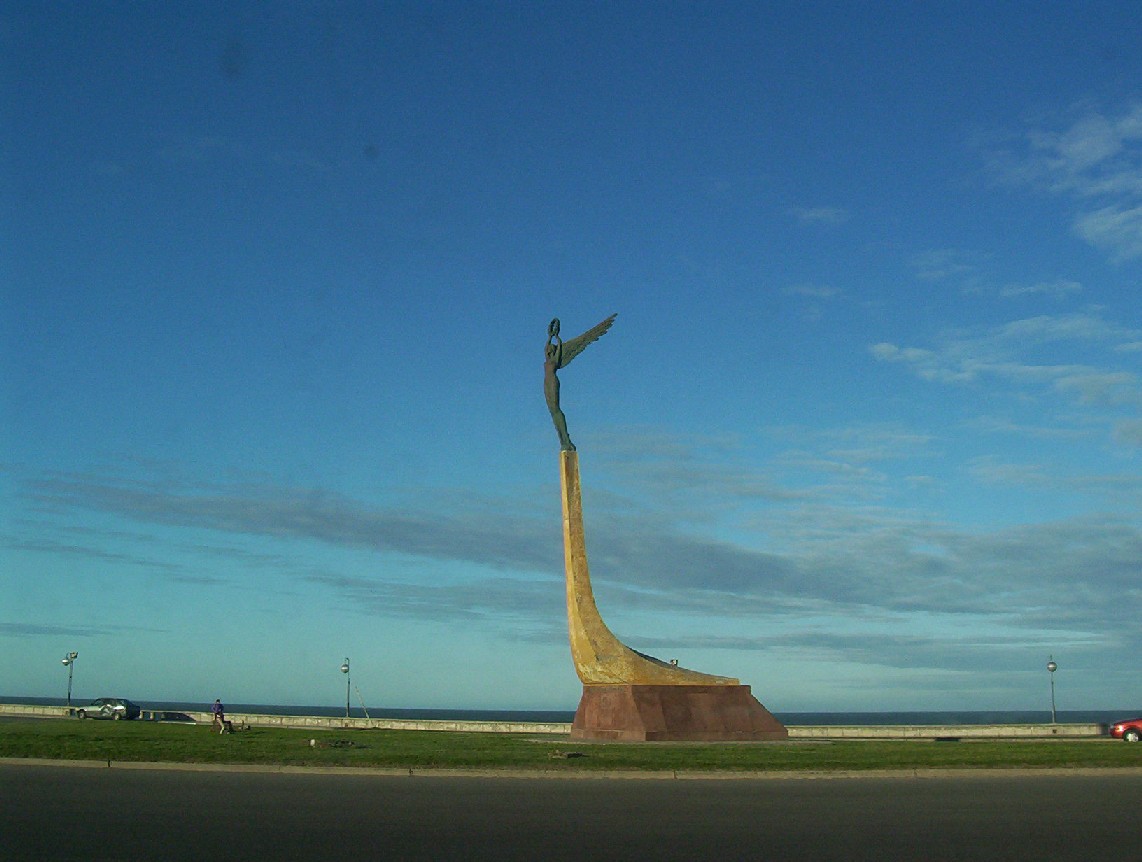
(645, 713)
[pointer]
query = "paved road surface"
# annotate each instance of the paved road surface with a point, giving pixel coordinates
(49, 813)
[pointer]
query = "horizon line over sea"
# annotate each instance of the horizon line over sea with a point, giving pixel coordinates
(549, 716)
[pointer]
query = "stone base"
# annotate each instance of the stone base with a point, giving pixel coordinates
(646, 713)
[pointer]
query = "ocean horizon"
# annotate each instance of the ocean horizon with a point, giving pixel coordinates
(546, 716)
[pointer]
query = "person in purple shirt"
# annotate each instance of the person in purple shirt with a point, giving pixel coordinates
(219, 713)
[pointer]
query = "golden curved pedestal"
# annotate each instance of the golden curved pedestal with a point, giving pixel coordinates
(600, 657)
(631, 696)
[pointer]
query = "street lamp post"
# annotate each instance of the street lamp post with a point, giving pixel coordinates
(69, 663)
(1051, 668)
(345, 670)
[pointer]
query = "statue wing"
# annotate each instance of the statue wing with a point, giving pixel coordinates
(578, 344)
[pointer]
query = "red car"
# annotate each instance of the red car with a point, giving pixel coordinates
(1129, 729)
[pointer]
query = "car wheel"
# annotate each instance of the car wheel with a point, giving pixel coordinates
(81, 713)
(1132, 735)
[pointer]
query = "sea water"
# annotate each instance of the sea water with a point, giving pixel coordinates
(546, 716)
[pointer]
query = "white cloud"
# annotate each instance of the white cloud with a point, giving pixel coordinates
(829, 557)
(1114, 228)
(1120, 387)
(1129, 431)
(1067, 327)
(814, 291)
(943, 263)
(1056, 289)
(1012, 355)
(1085, 144)
(927, 364)
(1002, 425)
(820, 215)
(990, 471)
(1097, 162)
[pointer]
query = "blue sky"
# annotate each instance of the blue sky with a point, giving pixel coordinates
(276, 281)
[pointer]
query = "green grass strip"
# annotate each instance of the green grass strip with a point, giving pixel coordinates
(178, 743)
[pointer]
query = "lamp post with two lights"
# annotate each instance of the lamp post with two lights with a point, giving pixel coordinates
(1051, 668)
(69, 663)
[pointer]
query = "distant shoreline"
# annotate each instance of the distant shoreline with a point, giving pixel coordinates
(919, 717)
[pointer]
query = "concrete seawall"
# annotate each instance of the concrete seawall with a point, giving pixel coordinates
(950, 732)
(803, 732)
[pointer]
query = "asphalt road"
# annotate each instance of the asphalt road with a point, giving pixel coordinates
(71, 813)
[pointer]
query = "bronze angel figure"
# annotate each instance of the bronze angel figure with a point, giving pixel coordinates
(557, 354)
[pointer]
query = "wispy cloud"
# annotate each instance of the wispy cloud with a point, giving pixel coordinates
(1095, 160)
(505, 600)
(820, 215)
(1007, 353)
(1129, 431)
(991, 652)
(812, 291)
(829, 556)
(1042, 476)
(814, 299)
(22, 629)
(315, 514)
(945, 263)
(1053, 289)
(1005, 425)
(1117, 229)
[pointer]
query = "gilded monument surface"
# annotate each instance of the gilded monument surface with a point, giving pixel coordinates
(600, 658)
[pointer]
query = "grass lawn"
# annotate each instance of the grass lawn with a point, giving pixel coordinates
(182, 743)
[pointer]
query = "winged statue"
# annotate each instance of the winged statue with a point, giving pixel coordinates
(557, 354)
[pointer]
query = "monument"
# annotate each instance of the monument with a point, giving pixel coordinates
(628, 695)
